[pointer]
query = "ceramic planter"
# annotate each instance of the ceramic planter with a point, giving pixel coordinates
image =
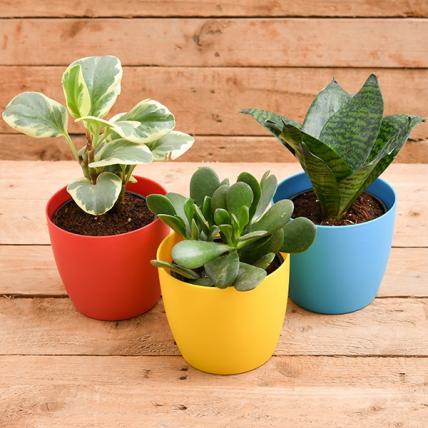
(109, 277)
(342, 270)
(224, 331)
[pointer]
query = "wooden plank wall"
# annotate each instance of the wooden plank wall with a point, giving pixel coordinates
(206, 59)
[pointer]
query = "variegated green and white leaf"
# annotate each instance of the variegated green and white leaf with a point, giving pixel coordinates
(154, 121)
(76, 91)
(102, 75)
(36, 115)
(96, 124)
(96, 199)
(122, 152)
(171, 146)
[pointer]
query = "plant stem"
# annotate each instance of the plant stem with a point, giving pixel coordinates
(72, 146)
(90, 158)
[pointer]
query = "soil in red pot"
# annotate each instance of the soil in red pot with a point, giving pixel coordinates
(130, 215)
(365, 208)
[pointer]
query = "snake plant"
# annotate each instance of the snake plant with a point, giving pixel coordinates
(344, 143)
(113, 146)
(231, 234)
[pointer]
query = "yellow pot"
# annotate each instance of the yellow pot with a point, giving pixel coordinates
(224, 331)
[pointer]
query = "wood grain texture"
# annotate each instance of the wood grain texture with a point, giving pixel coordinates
(51, 326)
(164, 392)
(23, 200)
(248, 8)
(219, 42)
(207, 101)
(31, 271)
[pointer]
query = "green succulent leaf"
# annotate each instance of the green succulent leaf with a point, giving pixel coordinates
(186, 273)
(102, 76)
(299, 234)
(249, 179)
(218, 199)
(268, 186)
(206, 209)
(189, 210)
(270, 244)
(175, 223)
(148, 122)
(96, 199)
(352, 131)
(121, 153)
(193, 254)
(223, 270)
(239, 194)
(160, 204)
(251, 237)
(275, 217)
(36, 115)
(203, 183)
(194, 230)
(221, 216)
(205, 282)
(326, 103)
(249, 277)
(265, 261)
(171, 146)
(227, 233)
(76, 91)
(178, 202)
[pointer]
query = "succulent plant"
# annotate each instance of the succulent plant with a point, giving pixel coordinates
(344, 144)
(231, 232)
(115, 146)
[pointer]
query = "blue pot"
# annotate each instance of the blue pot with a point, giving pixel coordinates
(342, 270)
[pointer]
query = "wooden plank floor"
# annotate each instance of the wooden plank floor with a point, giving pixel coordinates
(61, 369)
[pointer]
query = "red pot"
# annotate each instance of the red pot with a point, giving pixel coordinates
(109, 277)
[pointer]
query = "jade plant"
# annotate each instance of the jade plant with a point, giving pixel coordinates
(344, 143)
(113, 146)
(231, 234)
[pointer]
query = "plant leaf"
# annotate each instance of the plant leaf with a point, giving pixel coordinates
(249, 179)
(76, 91)
(160, 204)
(299, 234)
(326, 103)
(121, 153)
(36, 115)
(171, 146)
(175, 223)
(218, 199)
(352, 131)
(186, 273)
(249, 277)
(239, 194)
(146, 122)
(221, 216)
(102, 76)
(203, 183)
(275, 217)
(268, 185)
(265, 261)
(178, 202)
(96, 199)
(223, 270)
(270, 244)
(193, 254)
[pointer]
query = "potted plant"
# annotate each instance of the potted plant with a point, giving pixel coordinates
(103, 236)
(224, 272)
(344, 144)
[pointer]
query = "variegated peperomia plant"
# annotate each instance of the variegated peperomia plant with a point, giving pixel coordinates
(113, 146)
(231, 233)
(344, 144)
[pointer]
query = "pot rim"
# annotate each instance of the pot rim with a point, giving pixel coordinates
(349, 226)
(100, 237)
(277, 271)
